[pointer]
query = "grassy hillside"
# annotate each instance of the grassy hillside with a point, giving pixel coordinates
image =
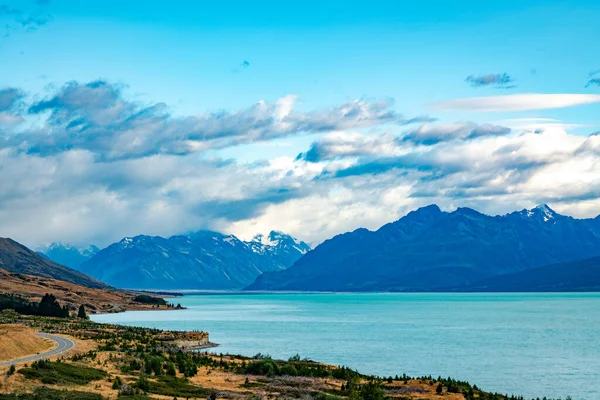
(16, 258)
(18, 341)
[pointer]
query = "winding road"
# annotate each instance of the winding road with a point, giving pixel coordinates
(62, 345)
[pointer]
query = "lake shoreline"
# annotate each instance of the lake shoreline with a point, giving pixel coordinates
(419, 333)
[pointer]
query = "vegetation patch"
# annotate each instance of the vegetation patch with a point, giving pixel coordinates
(171, 386)
(145, 299)
(60, 373)
(51, 394)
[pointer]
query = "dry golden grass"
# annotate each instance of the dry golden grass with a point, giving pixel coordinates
(18, 341)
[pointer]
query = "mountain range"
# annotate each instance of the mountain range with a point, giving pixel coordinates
(431, 250)
(202, 260)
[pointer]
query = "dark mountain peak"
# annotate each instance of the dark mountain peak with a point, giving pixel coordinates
(431, 209)
(469, 212)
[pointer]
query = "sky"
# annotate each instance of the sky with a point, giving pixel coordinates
(313, 118)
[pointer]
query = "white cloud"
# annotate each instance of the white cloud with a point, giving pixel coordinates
(517, 102)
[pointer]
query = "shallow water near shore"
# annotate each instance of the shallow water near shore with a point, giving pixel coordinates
(535, 344)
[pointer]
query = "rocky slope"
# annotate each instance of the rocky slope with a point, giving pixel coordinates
(432, 250)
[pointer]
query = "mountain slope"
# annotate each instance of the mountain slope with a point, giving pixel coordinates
(581, 276)
(429, 249)
(68, 255)
(18, 259)
(203, 260)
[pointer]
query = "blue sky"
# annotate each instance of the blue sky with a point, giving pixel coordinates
(201, 58)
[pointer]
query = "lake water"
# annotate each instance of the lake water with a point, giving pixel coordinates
(529, 344)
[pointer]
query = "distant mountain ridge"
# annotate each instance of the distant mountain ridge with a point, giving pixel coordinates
(574, 276)
(69, 255)
(201, 260)
(429, 250)
(18, 259)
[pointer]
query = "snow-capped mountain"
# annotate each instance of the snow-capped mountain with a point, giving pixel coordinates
(430, 250)
(285, 248)
(201, 260)
(541, 213)
(68, 255)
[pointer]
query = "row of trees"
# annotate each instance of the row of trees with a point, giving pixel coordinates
(47, 307)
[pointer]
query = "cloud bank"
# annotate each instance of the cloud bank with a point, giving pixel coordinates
(84, 164)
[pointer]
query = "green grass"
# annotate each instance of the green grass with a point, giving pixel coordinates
(52, 394)
(60, 373)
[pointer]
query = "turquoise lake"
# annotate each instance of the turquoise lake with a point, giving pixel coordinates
(529, 344)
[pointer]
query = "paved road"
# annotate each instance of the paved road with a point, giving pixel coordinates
(63, 345)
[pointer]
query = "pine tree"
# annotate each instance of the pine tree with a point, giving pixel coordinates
(439, 388)
(81, 313)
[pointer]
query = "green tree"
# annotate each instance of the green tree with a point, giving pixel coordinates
(372, 391)
(439, 389)
(81, 313)
(49, 307)
(143, 383)
(170, 368)
(117, 383)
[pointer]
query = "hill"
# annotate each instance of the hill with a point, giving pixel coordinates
(18, 341)
(429, 250)
(202, 260)
(18, 259)
(96, 300)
